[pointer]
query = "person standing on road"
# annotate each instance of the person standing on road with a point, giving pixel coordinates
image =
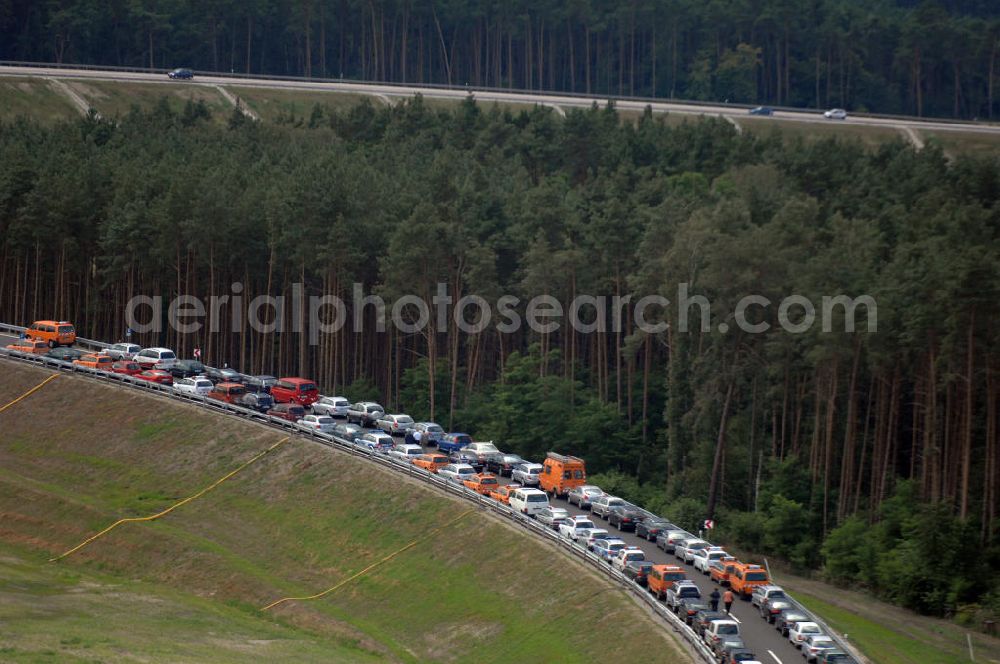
(714, 599)
(409, 438)
(727, 599)
(417, 437)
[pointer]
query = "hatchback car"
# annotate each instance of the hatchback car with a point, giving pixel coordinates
(292, 412)
(195, 385)
(762, 110)
(260, 401)
(181, 73)
(321, 423)
(156, 358)
(835, 114)
(122, 351)
(332, 406)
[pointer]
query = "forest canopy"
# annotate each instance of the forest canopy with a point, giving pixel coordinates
(929, 58)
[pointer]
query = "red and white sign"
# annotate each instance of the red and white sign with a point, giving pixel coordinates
(197, 353)
(709, 524)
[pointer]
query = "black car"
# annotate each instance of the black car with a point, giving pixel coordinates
(650, 528)
(637, 570)
(187, 369)
(762, 110)
(624, 517)
(257, 383)
(690, 606)
(737, 655)
(835, 657)
(222, 375)
(787, 618)
(503, 464)
(181, 73)
(705, 616)
(65, 354)
(461, 456)
(258, 401)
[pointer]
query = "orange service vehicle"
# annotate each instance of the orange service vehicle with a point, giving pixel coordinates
(99, 362)
(54, 333)
(661, 577)
(504, 492)
(431, 462)
(483, 483)
(29, 346)
(745, 577)
(561, 473)
(721, 569)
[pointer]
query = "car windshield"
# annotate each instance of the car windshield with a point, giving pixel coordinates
(537, 498)
(167, 355)
(756, 576)
(433, 428)
(324, 420)
(404, 419)
(689, 591)
(307, 387)
(534, 470)
(65, 329)
(728, 629)
(466, 471)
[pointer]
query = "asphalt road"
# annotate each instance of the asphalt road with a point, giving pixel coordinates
(907, 125)
(761, 637)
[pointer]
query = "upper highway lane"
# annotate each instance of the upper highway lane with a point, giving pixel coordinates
(491, 95)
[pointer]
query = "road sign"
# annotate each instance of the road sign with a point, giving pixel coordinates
(709, 524)
(128, 332)
(197, 353)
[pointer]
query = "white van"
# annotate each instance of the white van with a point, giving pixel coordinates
(529, 501)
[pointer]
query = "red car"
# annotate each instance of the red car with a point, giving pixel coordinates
(156, 376)
(292, 412)
(128, 368)
(298, 390)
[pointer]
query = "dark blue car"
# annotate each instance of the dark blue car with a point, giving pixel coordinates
(181, 73)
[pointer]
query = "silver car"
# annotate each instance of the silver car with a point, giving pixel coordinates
(527, 474)
(122, 351)
(582, 495)
(332, 406)
(601, 505)
(430, 432)
(457, 472)
(394, 425)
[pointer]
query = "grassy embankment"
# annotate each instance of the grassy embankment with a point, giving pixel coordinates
(76, 456)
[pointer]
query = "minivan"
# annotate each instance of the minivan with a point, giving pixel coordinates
(156, 358)
(529, 501)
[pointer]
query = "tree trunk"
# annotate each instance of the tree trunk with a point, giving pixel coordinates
(720, 442)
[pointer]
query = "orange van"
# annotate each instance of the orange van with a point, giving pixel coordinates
(29, 346)
(561, 473)
(431, 462)
(482, 483)
(721, 569)
(100, 362)
(745, 577)
(54, 333)
(661, 577)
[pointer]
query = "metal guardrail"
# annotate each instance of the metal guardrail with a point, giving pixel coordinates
(581, 96)
(385, 461)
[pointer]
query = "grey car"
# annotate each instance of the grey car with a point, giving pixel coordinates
(527, 473)
(430, 432)
(122, 351)
(262, 401)
(582, 495)
(601, 505)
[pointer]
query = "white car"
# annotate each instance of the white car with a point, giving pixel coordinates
(798, 632)
(718, 630)
(527, 501)
(122, 351)
(457, 472)
(575, 527)
(526, 473)
(702, 559)
(626, 556)
(551, 516)
(813, 646)
(835, 114)
(321, 423)
(406, 452)
(608, 548)
(394, 425)
(195, 385)
(332, 406)
(481, 448)
(156, 358)
(590, 535)
(685, 549)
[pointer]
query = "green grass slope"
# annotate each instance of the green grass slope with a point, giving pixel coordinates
(76, 456)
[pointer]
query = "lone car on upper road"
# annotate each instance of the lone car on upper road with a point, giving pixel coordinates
(762, 110)
(181, 73)
(835, 114)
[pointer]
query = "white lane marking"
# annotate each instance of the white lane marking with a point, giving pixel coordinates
(771, 653)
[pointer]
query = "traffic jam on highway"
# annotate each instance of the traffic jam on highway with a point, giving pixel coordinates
(729, 605)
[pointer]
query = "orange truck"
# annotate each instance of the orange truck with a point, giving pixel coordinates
(561, 473)
(721, 569)
(661, 577)
(745, 577)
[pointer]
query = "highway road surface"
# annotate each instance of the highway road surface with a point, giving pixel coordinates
(908, 126)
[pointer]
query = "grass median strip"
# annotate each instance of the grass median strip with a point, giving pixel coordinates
(170, 509)
(373, 565)
(29, 392)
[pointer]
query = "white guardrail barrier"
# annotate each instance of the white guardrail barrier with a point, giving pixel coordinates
(498, 508)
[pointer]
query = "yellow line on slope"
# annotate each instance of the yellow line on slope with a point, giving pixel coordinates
(169, 509)
(373, 565)
(29, 392)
